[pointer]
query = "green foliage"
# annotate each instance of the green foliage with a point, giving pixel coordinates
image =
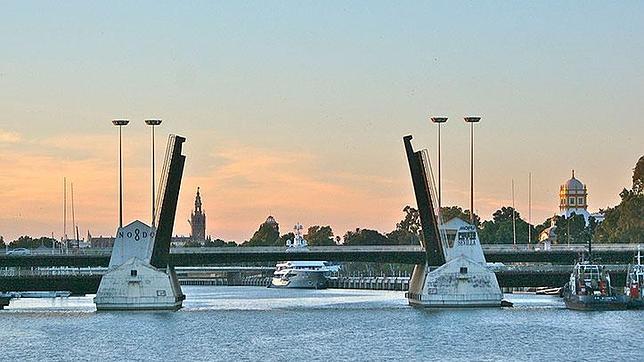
(450, 212)
(638, 177)
(499, 230)
(365, 237)
(286, 237)
(411, 221)
(266, 235)
(625, 222)
(403, 237)
(574, 230)
(320, 236)
(30, 243)
(408, 229)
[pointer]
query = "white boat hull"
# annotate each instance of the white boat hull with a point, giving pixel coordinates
(301, 280)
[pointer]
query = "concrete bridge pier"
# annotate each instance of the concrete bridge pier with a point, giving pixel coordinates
(234, 278)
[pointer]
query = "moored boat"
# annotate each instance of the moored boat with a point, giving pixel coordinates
(301, 274)
(634, 283)
(589, 288)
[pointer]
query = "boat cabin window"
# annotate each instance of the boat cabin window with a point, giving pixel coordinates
(133, 273)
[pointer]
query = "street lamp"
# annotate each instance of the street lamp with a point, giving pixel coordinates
(438, 121)
(152, 123)
(471, 121)
(120, 123)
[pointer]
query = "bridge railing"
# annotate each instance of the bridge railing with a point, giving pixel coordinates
(51, 272)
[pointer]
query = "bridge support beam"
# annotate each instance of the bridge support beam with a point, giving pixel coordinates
(139, 276)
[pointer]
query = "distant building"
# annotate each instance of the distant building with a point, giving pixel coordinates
(549, 235)
(198, 221)
(573, 198)
(100, 241)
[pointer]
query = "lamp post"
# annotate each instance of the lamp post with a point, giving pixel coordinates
(152, 123)
(471, 121)
(120, 123)
(439, 121)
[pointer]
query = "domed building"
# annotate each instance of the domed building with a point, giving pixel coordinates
(573, 198)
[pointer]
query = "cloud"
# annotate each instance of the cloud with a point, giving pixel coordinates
(240, 185)
(9, 137)
(246, 183)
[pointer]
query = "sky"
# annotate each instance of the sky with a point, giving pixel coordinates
(298, 109)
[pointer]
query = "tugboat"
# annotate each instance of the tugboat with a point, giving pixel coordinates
(301, 274)
(589, 288)
(634, 283)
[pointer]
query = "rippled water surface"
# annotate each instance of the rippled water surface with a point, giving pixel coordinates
(253, 323)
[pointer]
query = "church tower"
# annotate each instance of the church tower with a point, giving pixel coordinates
(573, 198)
(198, 221)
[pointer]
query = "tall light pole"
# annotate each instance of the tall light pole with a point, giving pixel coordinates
(439, 121)
(471, 121)
(120, 123)
(152, 123)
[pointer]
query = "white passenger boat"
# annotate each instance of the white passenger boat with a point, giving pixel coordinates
(301, 274)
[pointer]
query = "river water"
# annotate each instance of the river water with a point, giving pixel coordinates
(254, 323)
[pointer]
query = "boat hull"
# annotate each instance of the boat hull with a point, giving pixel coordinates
(302, 280)
(595, 302)
(635, 303)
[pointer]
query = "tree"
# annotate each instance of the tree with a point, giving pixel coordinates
(403, 237)
(411, 221)
(319, 236)
(625, 222)
(450, 212)
(500, 230)
(365, 237)
(266, 235)
(573, 229)
(408, 229)
(286, 237)
(30, 243)
(638, 177)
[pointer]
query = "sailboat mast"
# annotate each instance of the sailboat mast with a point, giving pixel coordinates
(514, 224)
(74, 227)
(64, 238)
(529, 208)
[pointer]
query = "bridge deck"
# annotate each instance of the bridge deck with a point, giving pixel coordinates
(405, 254)
(86, 280)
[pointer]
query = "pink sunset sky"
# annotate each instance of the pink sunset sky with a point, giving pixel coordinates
(299, 111)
